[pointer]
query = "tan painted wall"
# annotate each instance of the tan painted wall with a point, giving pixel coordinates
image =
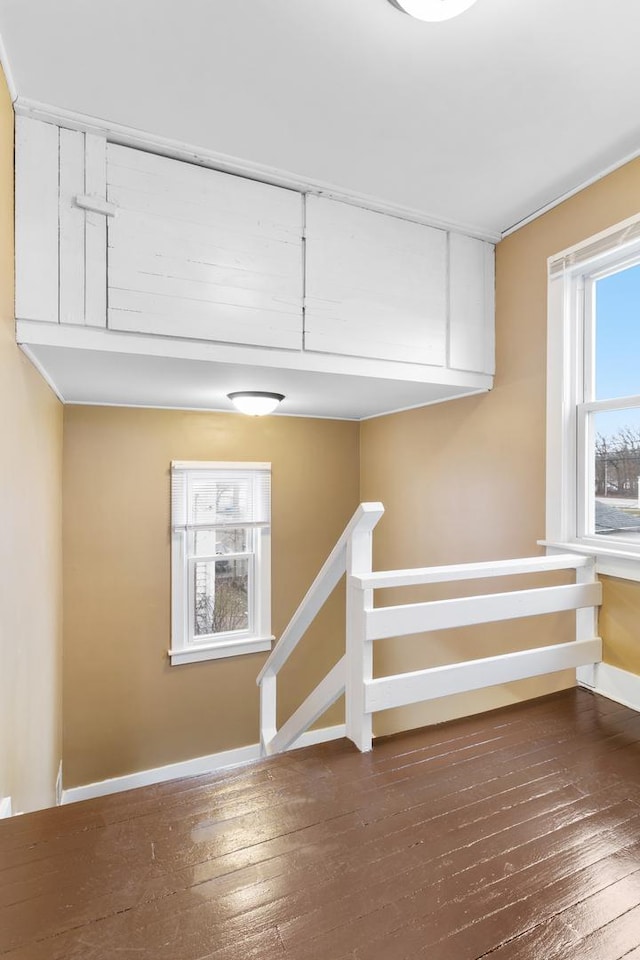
(620, 623)
(126, 708)
(465, 480)
(460, 481)
(30, 542)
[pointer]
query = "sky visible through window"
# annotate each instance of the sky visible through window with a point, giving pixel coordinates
(618, 339)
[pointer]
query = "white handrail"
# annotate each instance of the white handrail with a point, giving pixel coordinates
(332, 686)
(470, 571)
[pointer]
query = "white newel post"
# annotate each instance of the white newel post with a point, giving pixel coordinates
(359, 649)
(268, 708)
(587, 624)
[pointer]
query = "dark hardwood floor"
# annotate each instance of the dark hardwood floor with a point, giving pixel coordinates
(511, 835)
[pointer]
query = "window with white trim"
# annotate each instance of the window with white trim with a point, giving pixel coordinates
(593, 415)
(220, 559)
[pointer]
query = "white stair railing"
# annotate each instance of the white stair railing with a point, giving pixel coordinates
(396, 621)
(351, 553)
(353, 674)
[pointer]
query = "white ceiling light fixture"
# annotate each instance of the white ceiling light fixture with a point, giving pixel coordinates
(433, 10)
(255, 403)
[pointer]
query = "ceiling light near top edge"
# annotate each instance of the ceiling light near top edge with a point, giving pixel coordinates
(255, 403)
(433, 10)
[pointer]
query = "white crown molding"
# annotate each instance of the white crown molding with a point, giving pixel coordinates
(193, 768)
(178, 150)
(41, 370)
(571, 193)
(8, 72)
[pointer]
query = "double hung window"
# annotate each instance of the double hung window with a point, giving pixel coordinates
(593, 449)
(220, 517)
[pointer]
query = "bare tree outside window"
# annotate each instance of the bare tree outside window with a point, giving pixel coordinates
(618, 463)
(221, 596)
(616, 473)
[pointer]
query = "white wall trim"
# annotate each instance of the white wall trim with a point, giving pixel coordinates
(192, 768)
(428, 403)
(59, 787)
(41, 370)
(5, 808)
(8, 72)
(613, 683)
(571, 193)
(165, 146)
(178, 150)
(218, 651)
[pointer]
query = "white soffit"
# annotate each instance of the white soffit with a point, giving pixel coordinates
(120, 379)
(478, 121)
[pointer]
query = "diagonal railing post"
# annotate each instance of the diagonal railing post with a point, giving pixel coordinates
(355, 543)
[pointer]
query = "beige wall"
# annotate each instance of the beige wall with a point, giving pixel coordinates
(460, 481)
(30, 542)
(465, 480)
(126, 708)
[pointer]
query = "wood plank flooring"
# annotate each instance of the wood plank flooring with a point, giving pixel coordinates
(511, 836)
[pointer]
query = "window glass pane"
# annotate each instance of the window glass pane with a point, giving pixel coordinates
(618, 334)
(207, 543)
(221, 590)
(617, 468)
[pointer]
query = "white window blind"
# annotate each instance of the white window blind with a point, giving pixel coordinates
(613, 242)
(207, 495)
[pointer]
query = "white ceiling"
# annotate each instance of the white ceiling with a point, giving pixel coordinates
(105, 377)
(479, 121)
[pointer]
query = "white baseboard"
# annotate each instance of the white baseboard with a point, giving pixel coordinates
(5, 807)
(192, 768)
(613, 683)
(59, 789)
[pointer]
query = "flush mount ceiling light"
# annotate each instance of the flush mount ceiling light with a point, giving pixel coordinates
(255, 403)
(433, 10)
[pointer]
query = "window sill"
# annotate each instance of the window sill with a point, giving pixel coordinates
(216, 651)
(610, 561)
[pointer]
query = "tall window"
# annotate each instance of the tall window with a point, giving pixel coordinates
(220, 515)
(593, 454)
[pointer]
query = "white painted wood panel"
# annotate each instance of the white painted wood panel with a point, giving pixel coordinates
(72, 227)
(471, 304)
(197, 253)
(375, 284)
(36, 220)
(95, 233)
